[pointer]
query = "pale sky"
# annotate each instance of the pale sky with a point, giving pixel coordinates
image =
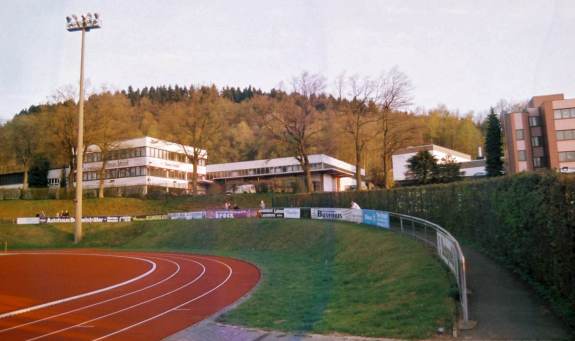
(464, 54)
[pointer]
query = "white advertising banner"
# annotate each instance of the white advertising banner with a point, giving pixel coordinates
(28, 221)
(187, 215)
(447, 252)
(292, 213)
(348, 214)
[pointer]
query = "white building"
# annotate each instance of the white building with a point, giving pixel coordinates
(147, 162)
(469, 167)
(285, 174)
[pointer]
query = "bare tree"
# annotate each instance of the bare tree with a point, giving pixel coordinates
(194, 122)
(393, 93)
(293, 119)
(107, 124)
(356, 104)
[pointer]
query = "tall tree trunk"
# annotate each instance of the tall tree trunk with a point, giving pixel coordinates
(195, 161)
(25, 182)
(358, 149)
(102, 179)
(307, 172)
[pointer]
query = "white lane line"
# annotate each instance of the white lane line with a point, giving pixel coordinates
(98, 303)
(176, 307)
(71, 298)
(128, 308)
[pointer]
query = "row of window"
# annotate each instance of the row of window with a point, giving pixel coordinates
(128, 153)
(536, 141)
(537, 161)
(564, 113)
(565, 135)
(262, 171)
(140, 171)
(566, 156)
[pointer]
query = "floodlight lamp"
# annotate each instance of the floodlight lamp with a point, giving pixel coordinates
(97, 16)
(68, 20)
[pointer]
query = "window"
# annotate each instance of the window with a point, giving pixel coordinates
(520, 134)
(521, 155)
(567, 156)
(537, 162)
(565, 135)
(564, 113)
(536, 141)
(534, 121)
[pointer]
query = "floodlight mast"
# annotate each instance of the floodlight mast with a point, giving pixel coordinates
(85, 23)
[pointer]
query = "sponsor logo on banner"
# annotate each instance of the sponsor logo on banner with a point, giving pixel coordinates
(28, 221)
(447, 252)
(272, 213)
(67, 220)
(230, 214)
(151, 217)
(376, 218)
(292, 213)
(187, 215)
(347, 214)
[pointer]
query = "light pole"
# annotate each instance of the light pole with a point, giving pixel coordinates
(84, 24)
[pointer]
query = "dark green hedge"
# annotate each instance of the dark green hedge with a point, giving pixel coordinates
(526, 222)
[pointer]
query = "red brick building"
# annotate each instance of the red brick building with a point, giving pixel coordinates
(541, 137)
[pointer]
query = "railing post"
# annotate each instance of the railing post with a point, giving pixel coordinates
(401, 223)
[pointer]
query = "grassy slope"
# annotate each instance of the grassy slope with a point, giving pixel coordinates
(126, 206)
(318, 276)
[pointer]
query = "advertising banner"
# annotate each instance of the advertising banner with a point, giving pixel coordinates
(292, 213)
(151, 217)
(28, 221)
(348, 214)
(272, 213)
(447, 252)
(230, 214)
(376, 218)
(68, 220)
(187, 215)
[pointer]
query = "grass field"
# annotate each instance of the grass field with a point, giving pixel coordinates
(10, 209)
(321, 277)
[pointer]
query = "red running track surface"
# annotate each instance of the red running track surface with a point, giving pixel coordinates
(100, 295)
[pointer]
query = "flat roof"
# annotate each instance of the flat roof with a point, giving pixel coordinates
(281, 162)
(429, 147)
(147, 141)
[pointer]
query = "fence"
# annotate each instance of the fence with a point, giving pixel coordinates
(447, 247)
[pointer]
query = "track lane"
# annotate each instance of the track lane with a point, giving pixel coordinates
(154, 312)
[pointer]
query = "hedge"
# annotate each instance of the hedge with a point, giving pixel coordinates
(526, 222)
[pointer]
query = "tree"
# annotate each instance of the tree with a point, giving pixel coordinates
(293, 120)
(22, 138)
(493, 146)
(393, 89)
(448, 170)
(106, 124)
(194, 121)
(39, 171)
(422, 167)
(359, 114)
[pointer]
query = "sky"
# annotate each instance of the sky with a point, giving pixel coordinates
(466, 55)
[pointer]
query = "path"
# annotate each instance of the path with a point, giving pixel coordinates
(504, 307)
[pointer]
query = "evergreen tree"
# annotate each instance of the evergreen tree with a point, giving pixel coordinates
(493, 146)
(422, 167)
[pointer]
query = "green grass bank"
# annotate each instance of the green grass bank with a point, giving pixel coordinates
(321, 277)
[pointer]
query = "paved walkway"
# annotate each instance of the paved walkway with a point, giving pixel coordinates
(504, 307)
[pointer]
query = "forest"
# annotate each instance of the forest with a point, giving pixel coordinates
(363, 121)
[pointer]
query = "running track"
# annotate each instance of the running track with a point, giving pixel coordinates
(99, 295)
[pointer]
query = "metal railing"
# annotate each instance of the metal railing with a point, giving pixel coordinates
(447, 247)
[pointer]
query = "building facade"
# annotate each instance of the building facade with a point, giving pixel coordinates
(542, 136)
(284, 175)
(144, 162)
(469, 167)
